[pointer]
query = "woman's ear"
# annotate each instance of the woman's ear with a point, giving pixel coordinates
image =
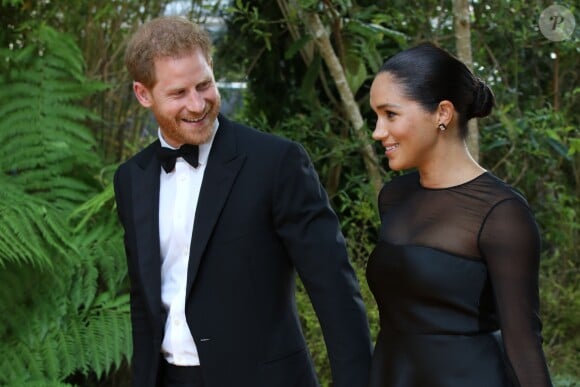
(142, 93)
(445, 112)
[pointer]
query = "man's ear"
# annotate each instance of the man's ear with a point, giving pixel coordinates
(445, 112)
(143, 95)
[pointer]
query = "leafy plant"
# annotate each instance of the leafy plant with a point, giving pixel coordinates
(63, 300)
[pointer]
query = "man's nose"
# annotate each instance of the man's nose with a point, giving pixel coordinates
(195, 102)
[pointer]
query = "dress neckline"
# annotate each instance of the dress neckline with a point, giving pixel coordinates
(484, 173)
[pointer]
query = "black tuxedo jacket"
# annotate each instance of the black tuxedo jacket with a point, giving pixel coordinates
(262, 215)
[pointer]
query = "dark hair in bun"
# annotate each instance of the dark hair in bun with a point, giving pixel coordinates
(429, 75)
(483, 101)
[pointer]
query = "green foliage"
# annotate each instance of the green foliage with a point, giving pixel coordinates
(252, 21)
(11, 2)
(63, 301)
(29, 232)
(38, 113)
(59, 321)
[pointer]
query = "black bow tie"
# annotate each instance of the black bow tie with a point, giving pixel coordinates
(167, 156)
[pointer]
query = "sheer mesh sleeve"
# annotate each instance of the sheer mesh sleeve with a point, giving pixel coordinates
(510, 244)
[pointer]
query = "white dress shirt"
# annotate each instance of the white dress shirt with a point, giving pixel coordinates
(178, 196)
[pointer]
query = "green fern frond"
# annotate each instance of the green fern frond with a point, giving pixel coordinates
(106, 243)
(90, 332)
(32, 230)
(64, 305)
(41, 114)
(92, 206)
(56, 41)
(13, 365)
(108, 334)
(55, 364)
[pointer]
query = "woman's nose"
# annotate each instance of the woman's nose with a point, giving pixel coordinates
(380, 132)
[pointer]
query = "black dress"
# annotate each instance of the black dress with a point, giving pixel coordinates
(455, 278)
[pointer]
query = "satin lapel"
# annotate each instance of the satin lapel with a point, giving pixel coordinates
(146, 220)
(222, 168)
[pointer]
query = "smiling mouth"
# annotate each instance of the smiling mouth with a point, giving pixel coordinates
(194, 120)
(389, 148)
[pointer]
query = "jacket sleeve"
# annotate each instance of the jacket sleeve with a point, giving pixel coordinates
(141, 366)
(310, 231)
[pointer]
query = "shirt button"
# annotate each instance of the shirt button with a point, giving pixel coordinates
(177, 322)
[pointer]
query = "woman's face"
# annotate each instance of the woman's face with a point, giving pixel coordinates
(405, 129)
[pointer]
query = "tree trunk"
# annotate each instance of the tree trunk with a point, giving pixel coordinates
(317, 30)
(314, 25)
(463, 44)
(307, 51)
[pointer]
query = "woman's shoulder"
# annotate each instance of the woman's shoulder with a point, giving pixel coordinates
(496, 189)
(401, 183)
(397, 189)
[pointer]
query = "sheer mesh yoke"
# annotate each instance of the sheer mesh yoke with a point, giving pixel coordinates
(455, 277)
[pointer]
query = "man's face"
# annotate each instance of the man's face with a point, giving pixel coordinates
(184, 100)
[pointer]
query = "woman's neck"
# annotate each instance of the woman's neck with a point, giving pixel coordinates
(449, 168)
